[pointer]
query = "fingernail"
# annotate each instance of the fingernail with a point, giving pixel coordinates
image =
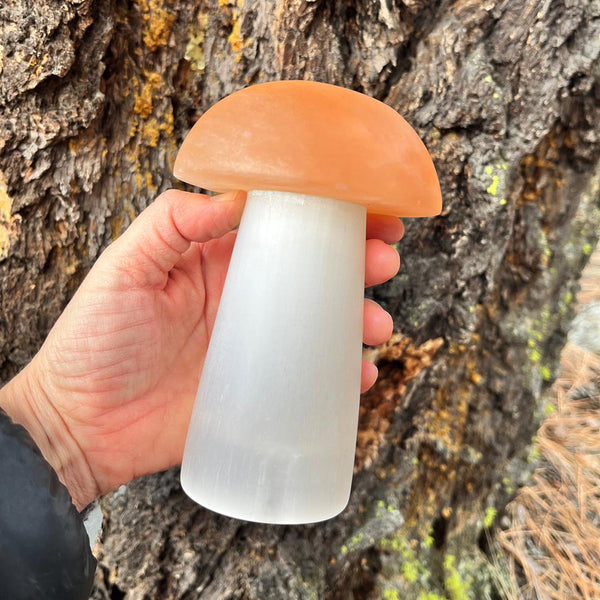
(234, 195)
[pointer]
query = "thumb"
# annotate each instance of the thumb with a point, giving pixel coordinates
(159, 236)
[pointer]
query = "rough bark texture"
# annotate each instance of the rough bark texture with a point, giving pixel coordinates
(95, 97)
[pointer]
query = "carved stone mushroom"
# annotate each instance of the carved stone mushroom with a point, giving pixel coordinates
(273, 432)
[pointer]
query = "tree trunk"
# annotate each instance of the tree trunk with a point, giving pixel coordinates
(95, 97)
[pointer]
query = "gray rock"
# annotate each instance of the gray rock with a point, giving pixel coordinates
(585, 330)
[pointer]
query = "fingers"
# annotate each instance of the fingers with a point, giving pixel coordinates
(388, 229)
(378, 327)
(377, 324)
(368, 376)
(381, 262)
(162, 233)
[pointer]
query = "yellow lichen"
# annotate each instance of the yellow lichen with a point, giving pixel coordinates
(493, 187)
(490, 516)
(5, 201)
(143, 101)
(149, 182)
(116, 226)
(158, 23)
(159, 29)
(8, 230)
(235, 38)
(475, 377)
(150, 131)
(146, 129)
(423, 595)
(194, 50)
(168, 122)
(455, 586)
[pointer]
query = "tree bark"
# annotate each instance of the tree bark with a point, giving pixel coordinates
(95, 97)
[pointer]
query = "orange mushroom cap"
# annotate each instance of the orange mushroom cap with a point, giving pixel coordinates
(312, 138)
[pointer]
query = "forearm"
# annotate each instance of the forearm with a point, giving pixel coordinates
(26, 402)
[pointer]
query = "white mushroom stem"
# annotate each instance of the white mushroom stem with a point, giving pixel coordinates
(273, 432)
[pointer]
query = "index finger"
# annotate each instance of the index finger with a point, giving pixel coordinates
(385, 228)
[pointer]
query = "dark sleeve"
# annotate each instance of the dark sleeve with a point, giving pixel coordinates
(44, 548)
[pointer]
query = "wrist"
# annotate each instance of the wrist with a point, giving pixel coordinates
(27, 402)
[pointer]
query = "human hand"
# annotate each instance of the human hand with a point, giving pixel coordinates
(109, 396)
